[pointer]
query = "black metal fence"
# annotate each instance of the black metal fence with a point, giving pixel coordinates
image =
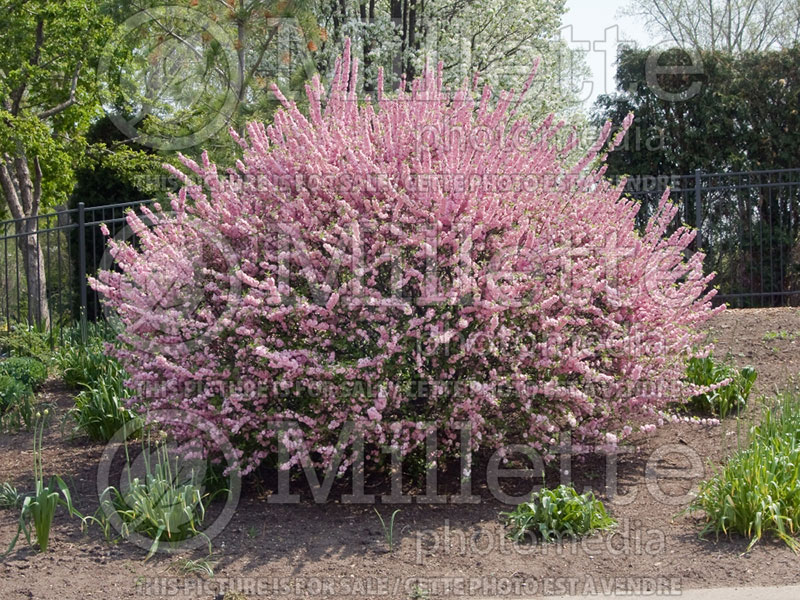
(70, 247)
(749, 228)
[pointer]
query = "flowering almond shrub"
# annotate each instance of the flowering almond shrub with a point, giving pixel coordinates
(371, 270)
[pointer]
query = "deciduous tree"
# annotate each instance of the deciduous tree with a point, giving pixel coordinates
(48, 98)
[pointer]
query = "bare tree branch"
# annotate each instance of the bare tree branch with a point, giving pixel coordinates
(37, 186)
(9, 189)
(732, 26)
(68, 102)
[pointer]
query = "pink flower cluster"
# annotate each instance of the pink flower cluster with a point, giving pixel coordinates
(367, 263)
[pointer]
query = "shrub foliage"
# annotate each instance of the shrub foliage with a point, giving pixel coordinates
(425, 259)
(30, 371)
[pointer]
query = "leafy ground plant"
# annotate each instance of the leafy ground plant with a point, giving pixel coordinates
(9, 496)
(100, 409)
(16, 404)
(758, 491)
(552, 514)
(38, 508)
(166, 504)
(28, 341)
(83, 364)
(729, 387)
(29, 371)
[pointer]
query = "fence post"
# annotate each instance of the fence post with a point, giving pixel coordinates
(698, 207)
(82, 267)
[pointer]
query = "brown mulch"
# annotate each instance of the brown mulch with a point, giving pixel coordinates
(336, 550)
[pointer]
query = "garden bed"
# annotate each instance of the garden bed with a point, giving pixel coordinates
(337, 550)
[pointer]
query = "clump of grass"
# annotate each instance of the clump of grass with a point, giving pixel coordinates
(83, 364)
(200, 566)
(9, 496)
(758, 491)
(100, 408)
(552, 514)
(721, 400)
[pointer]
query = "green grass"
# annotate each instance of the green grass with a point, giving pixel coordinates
(726, 399)
(757, 492)
(200, 566)
(81, 365)
(552, 514)
(100, 410)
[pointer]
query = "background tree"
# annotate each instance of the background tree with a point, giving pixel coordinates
(116, 172)
(499, 40)
(744, 116)
(180, 75)
(48, 98)
(722, 25)
(740, 113)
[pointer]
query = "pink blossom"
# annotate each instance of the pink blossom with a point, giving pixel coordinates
(364, 263)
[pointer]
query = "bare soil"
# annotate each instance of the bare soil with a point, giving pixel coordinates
(337, 550)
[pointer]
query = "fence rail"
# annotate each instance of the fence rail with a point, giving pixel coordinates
(748, 227)
(68, 247)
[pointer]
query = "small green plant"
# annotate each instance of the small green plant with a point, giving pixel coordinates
(166, 504)
(16, 404)
(388, 531)
(554, 513)
(418, 593)
(29, 371)
(758, 490)
(9, 496)
(722, 400)
(28, 341)
(780, 335)
(39, 508)
(100, 410)
(200, 566)
(252, 532)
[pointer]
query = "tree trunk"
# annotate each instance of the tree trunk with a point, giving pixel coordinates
(23, 194)
(412, 39)
(33, 263)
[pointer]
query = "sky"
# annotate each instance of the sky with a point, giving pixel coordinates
(597, 27)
